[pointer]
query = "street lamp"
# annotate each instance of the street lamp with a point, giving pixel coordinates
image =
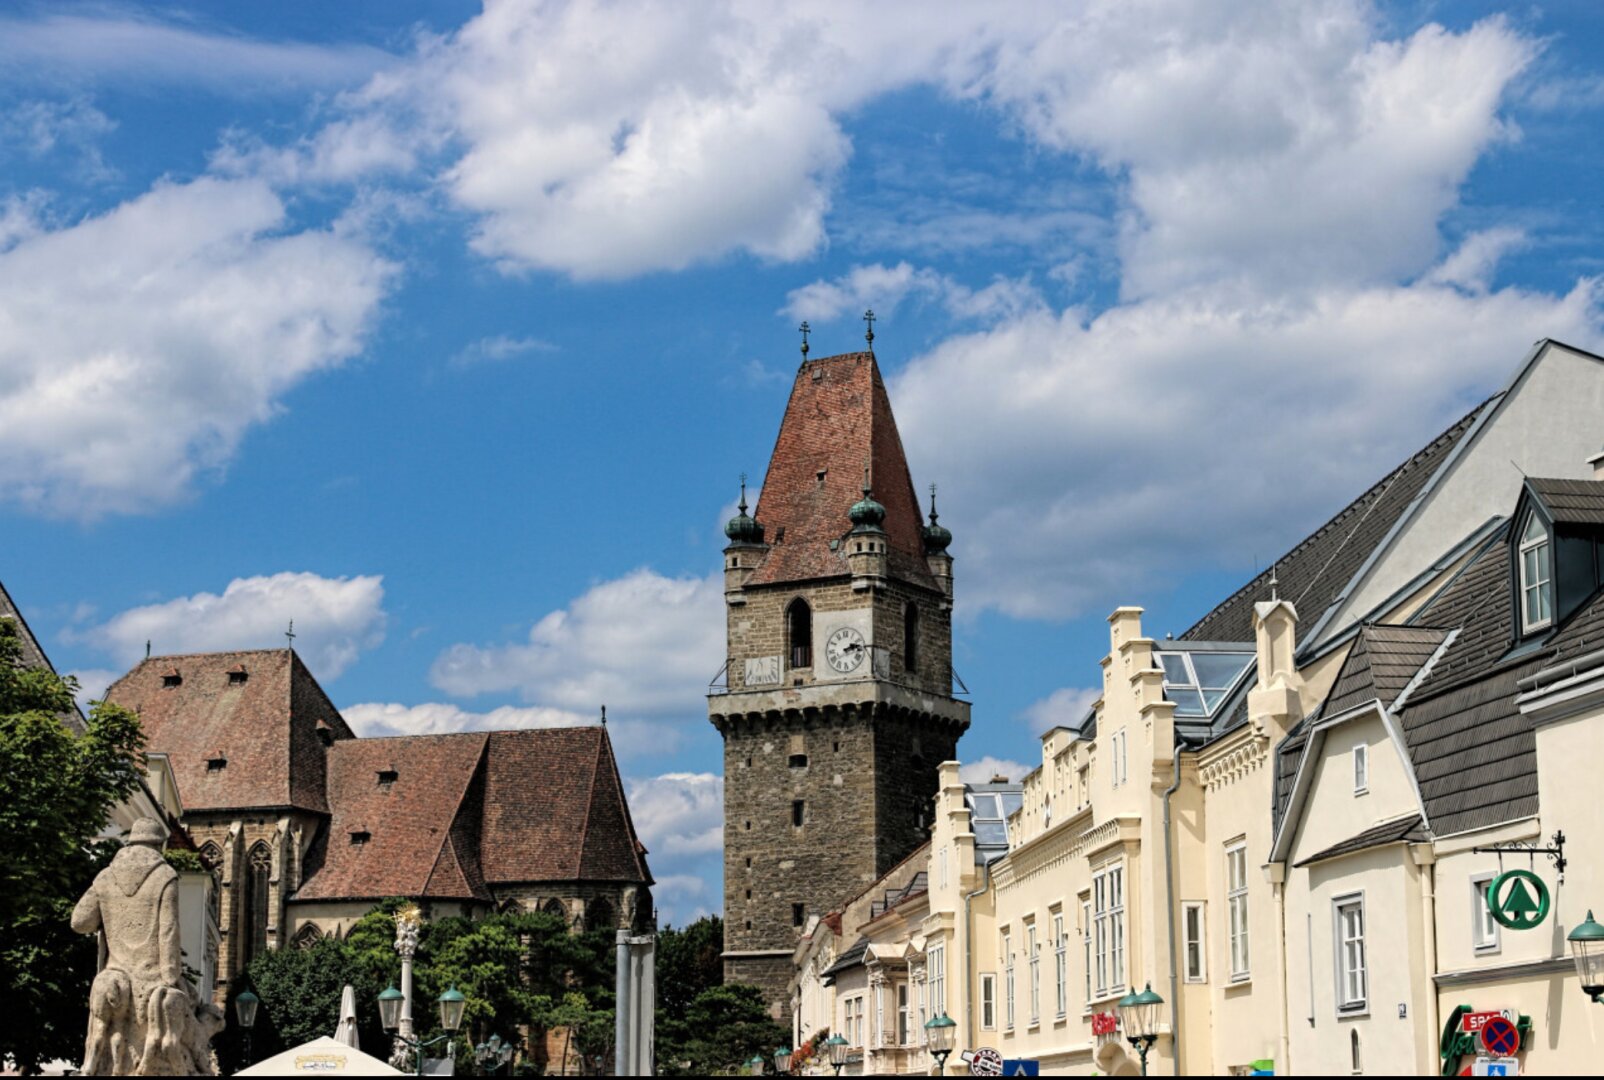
(245, 1011)
(838, 1048)
(1138, 1015)
(756, 1065)
(782, 1061)
(1587, 947)
(451, 1005)
(940, 1032)
(492, 1055)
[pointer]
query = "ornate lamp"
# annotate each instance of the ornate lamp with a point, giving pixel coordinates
(451, 1005)
(755, 1066)
(782, 1061)
(1138, 1015)
(245, 1012)
(390, 1009)
(1587, 947)
(940, 1032)
(837, 1047)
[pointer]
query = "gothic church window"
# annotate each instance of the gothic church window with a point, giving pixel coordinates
(599, 915)
(799, 632)
(307, 937)
(258, 873)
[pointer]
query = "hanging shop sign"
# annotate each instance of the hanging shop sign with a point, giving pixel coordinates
(985, 1062)
(1518, 900)
(1105, 1023)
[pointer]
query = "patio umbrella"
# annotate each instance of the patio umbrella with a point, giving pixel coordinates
(345, 1031)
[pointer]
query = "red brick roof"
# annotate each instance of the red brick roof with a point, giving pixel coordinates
(264, 728)
(837, 421)
(415, 844)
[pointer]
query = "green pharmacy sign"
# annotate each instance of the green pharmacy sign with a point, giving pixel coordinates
(1518, 900)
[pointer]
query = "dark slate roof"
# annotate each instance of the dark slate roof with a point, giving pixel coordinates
(1381, 663)
(918, 885)
(1318, 570)
(1287, 756)
(417, 844)
(837, 421)
(1571, 502)
(852, 958)
(266, 728)
(1404, 830)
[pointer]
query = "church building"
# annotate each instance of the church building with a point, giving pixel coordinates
(837, 702)
(306, 826)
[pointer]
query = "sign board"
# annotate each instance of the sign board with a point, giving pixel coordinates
(1518, 899)
(762, 670)
(1499, 1038)
(1472, 1022)
(1499, 1066)
(985, 1062)
(1021, 1067)
(1104, 1023)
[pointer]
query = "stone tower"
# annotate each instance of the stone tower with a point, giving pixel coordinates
(839, 705)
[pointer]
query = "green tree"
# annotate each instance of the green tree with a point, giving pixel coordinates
(57, 790)
(728, 1025)
(689, 962)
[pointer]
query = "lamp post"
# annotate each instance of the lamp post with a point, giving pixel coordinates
(940, 1032)
(1587, 947)
(492, 1055)
(392, 1013)
(1138, 1015)
(756, 1065)
(782, 1061)
(245, 1012)
(837, 1047)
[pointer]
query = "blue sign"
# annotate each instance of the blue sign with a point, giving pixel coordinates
(1021, 1067)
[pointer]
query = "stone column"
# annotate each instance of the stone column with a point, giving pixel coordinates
(407, 925)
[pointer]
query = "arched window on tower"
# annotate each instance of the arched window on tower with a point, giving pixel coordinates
(910, 638)
(799, 632)
(258, 872)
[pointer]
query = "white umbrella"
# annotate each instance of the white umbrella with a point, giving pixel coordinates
(323, 1056)
(345, 1031)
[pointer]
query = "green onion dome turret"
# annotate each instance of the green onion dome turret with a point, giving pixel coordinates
(742, 528)
(867, 515)
(937, 536)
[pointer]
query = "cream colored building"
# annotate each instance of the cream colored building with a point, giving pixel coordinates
(1273, 819)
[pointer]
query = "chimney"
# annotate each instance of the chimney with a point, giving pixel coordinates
(1274, 703)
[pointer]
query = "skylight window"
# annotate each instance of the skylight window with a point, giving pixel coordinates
(1199, 681)
(988, 813)
(1536, 597)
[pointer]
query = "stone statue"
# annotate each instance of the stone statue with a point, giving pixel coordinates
(143, 1018)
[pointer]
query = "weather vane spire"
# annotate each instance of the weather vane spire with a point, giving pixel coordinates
(743, 493)
(933, 514)
(289, 635)
(804, 328)
(868, 322)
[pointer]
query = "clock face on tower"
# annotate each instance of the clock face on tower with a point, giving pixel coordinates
(845, 650)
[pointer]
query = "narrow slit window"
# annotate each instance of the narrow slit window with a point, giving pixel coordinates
(798, 812)
(799, 630)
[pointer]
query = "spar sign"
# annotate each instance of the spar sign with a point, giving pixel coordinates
(1476, 1033)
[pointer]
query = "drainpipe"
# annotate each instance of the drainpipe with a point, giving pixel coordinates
(969, 953)
(1169, 914)
(1426, 859)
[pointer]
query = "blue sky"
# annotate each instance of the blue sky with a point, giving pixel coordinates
(447, 332)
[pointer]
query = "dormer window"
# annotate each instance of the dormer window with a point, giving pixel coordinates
(217, 762)
(360, 837)
(387, 777)
(1536, 576)
(172, 678)
(237, 676)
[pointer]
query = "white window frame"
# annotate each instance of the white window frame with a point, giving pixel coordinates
(1236, 903)
(1086, 947)
(1108, 923)
(936, 965)
(1352, 968)
(1060, 964)
(1194, 941)
(1361, 768)
(1542, 550)
(1008, 980)
(1484, 936)
(1033, 959)
(903, 1030)
(988, 1001)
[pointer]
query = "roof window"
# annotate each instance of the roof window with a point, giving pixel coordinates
(1199, 681)
(387, 777)
(217, 762)
(237, 676)
(1536, 576)
(172, 678)
(360, 837)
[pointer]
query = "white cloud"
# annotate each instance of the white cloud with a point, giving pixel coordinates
(1082, 461)
(985, 770)
(1472, 265)
(39, 128)
(124, 46)
(496, 349)
(885, 287)
(1062, 708)
(630, 737)
(137, 347)
(92, 684)
(679, 814)
(642, 643)
(336, 619)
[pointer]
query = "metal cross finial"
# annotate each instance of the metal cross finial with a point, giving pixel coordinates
(804, 328)
(868, 319)
(147, 648)
(604, 716)
(289, 635)
(743, 493)
(933, 514)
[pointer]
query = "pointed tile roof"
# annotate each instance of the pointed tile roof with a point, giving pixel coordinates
(265, 727)
(1382, 662)
(32, 654)
(837, 421)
